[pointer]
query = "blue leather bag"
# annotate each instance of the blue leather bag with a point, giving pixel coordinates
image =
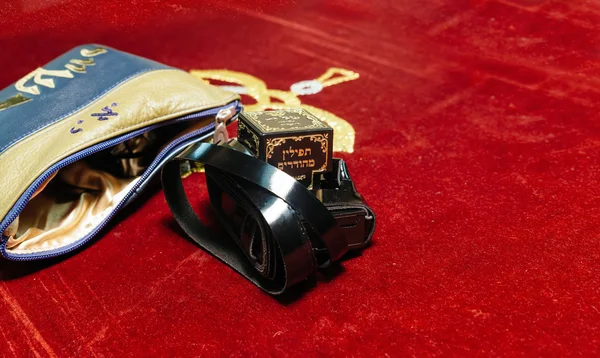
(82, 135)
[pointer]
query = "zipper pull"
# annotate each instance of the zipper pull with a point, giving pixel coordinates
(221, 119)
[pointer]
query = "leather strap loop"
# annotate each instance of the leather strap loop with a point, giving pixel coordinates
(263, 210)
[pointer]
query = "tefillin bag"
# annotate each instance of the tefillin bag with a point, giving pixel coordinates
(83, 135)
(286, 206)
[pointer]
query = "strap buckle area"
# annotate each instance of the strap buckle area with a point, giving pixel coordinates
(352, 222)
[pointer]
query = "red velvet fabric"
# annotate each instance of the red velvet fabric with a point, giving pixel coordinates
(478, 132)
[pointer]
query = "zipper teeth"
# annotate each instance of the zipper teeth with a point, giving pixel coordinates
(95, 149)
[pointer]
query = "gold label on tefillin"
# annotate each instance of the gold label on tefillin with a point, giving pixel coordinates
(293, 140)
(294, 154)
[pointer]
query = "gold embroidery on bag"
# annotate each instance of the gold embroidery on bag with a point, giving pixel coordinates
(39, 80)
(92, 52)
(74, 65)
(79, 66)
(14, 101)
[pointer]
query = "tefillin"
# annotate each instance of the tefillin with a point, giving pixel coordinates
(301, 145)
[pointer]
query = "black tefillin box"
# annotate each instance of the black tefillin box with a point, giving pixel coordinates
(301, 145)
(291, 140)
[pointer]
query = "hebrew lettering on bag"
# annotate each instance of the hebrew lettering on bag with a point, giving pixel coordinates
(43, 77)
(101, 116)
(39, 80)
(106, 112)
(79, 66)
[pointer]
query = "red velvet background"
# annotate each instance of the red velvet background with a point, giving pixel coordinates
(478, 132)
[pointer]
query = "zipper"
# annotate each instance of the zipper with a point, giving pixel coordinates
(180, 141)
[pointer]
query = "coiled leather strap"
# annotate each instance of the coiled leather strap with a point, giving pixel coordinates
(266, 212)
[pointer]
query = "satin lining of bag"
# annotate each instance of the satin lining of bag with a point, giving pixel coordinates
(76, 199)
(74, 203)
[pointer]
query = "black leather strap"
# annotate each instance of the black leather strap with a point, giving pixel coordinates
(266, 214)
